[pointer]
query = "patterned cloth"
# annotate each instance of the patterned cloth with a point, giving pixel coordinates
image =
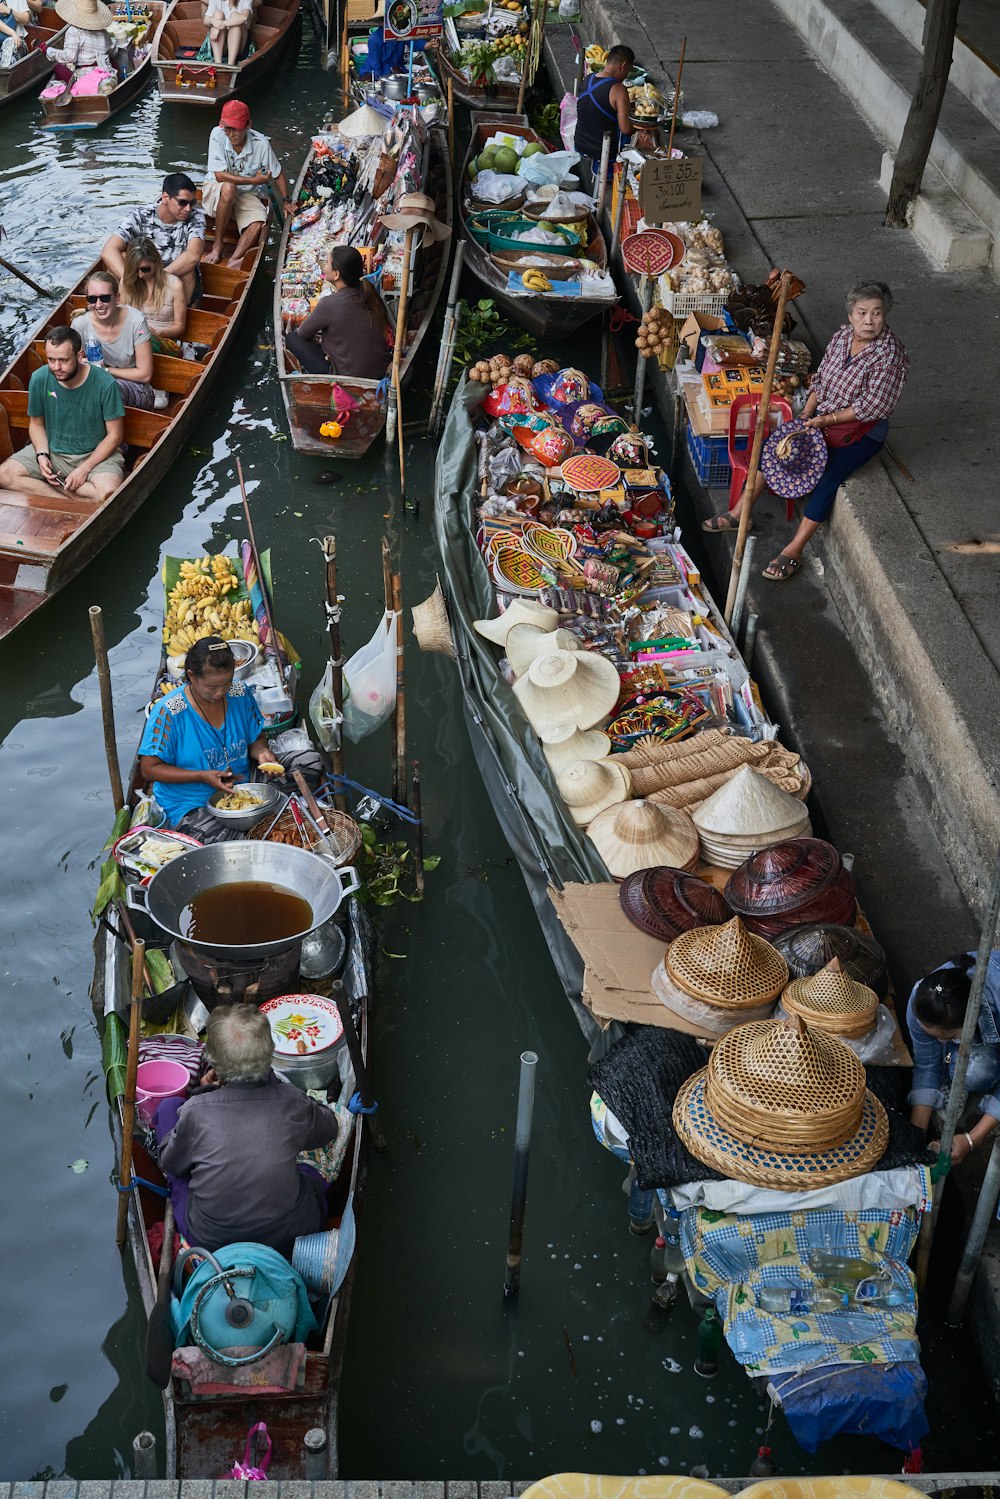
(872, 382)
(170, 239)
(797, 474)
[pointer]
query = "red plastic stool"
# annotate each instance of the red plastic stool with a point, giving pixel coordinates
(746, 407)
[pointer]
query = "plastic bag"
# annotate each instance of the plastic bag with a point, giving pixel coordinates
(699, 119)
(567, 120)
(569, 10)
(551, 166)
(258, 1440)
(497, 187)
(325, 718)
(370, 682)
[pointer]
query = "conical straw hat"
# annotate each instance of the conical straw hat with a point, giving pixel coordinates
(520, 612)
(89, 15)
(564, 745)
(430, 623)
(726, 965)
(578, 686)
(746, 806)
(525, 643)
(639, 835)
(591, 785)
(832, 1001)
(361, 122)
(712, 1020)
(782, 1106)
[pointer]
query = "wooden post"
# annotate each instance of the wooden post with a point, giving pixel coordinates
(451, 124)
(525, 60)
(677, 98)
(389, 595)
(399, 789)
(645, 302)
(925, 107)
(616, 223)
(397, 352)
(418, 829)
(602, 186)
(785, 286)
(128, 1117)
(107, 705)
(329, 545)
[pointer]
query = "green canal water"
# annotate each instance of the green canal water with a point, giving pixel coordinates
(442, 1379)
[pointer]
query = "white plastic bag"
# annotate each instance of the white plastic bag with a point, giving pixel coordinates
(548, 167)
(325, 718)
(569, 10)
(496, 187)
(370, 682)
(567, 120)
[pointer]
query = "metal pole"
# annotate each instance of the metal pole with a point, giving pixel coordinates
(522, 1140)
(602, 186)
(645, 302)
(741, 587)
(750, 641)
(362, 1082)
(317, 1461)
(957, 1088)
(107, 704)
(144, 1455)
(399, 784)
(983, 1217)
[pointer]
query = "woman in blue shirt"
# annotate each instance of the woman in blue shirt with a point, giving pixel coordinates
(935, 1015)
(201, 738)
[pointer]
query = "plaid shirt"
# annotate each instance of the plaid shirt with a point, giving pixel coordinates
(872, 382)
(84, 49)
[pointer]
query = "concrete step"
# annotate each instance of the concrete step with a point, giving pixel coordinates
(977, 47)
(877, 67)
(942, 224)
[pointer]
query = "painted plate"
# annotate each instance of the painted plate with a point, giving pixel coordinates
(588, 472)
(302, 1024)
(650, 253)
(518, 571)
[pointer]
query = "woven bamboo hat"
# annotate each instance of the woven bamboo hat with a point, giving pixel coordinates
(711, 1019)
(520, 612)
(591, 785)
(807, 949)
(726, 965)
(564, 745)
(748, 813)
(578, 686)
(525, 643)
(832, 1001)
(782, 1106)
(430, 623)
(639, 835)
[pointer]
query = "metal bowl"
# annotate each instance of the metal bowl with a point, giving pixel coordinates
(246, 654)
(241, 821)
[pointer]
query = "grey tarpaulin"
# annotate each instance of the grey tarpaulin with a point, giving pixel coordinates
(548, 845)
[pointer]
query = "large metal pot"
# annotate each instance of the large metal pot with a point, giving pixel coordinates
(304, 874)
(395, 86)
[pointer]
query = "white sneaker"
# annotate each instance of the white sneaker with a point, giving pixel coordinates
(160, 400)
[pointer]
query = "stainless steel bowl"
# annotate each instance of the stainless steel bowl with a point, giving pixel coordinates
(269, 797)
(246, 654)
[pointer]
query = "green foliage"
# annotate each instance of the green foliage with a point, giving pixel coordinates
(111, 888)
(546, 120)
(480, 327)
(385, 869)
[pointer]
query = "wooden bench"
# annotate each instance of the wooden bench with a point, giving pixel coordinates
(142, 428)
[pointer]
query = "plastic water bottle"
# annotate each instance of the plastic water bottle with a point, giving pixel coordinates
(93, 352)
(672, 1239)
(658, 1261)
(800, 1301)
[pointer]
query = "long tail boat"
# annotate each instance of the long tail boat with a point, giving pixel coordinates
(45, 540)
(547, 315)
(307, 398)
(93, 110)
(180, 34)
(35, 65)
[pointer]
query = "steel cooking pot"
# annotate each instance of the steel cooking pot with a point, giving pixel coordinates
(395, 86)
(295, 869)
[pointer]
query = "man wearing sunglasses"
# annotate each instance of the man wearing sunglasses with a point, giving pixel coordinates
(176, 225)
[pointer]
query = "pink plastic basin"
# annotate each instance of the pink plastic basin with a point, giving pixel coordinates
(155, 1081)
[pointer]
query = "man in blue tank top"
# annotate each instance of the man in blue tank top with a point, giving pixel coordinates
(603, 106)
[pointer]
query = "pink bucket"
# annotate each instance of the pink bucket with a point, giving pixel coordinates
(155, 1081)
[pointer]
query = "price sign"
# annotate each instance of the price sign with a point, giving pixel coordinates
(670, 191)
(413, 20)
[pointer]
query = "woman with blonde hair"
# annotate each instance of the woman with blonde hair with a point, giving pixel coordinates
(159, 296)
(118, 338)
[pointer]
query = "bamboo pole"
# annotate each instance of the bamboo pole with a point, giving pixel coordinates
(399, 792)
(758, 441)
(107, 705)
(128, 1118)
(271, 631)
(525, 61)
(645, 302)
(677, 97)
(329, 545)
(619, 214)
(986, 1204)
(418, 829)
(451, 124)
(397, 352)
(519, 1188)
(602, 186)
(447, 340)
(389, 594)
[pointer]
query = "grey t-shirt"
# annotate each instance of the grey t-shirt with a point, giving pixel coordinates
(120, 353)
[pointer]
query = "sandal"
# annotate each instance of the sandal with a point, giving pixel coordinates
(781, 567)
(719, 523)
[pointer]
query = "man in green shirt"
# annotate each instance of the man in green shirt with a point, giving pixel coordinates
(76, 421)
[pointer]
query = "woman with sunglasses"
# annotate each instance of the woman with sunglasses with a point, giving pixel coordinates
(118, 338)
(148, 286)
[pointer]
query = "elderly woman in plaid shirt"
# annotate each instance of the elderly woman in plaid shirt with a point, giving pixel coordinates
(856, 388)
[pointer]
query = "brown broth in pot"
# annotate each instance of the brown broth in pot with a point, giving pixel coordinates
(245, 913)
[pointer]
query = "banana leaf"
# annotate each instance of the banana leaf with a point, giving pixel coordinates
(111, 888)
(114, 1056)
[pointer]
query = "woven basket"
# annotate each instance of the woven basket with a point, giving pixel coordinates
(570, 220)
(833, 1002)
(807, 949)
(711, 1020)
(344, 833)
(555, 267)
(493, 231)
(430, 623)
(726, 965)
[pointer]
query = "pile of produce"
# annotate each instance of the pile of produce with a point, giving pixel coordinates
(502, 159)
(655, 332)
(499, 369)
(199, 604)
(478, 59)
(646, 102)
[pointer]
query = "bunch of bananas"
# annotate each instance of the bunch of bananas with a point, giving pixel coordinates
(199, 605)
(535, 281)
(596, 57)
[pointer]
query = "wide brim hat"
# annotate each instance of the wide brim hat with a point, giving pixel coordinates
(88, 15)
(640, 835)
(559, 687)
(793, 459)
(664, 902)
(520, 612)
(563, 745)
(807, 949)
(591, 785)
(727, 965)
(525, 643)
(415, 209)
(783, 877)
(836, 904)
(782, 1106)
(832, 1001)
(362, 122)
(711, 1020)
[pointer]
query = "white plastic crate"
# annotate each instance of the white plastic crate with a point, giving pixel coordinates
(682, 303)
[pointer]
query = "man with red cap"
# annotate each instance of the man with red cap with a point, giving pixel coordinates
(240, 162)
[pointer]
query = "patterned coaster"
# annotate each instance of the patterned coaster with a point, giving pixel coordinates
(649, 253)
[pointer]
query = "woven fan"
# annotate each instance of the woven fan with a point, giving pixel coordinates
(586, 472)
(649, 253)
(516, 570)
(496, 541)
(548, 544)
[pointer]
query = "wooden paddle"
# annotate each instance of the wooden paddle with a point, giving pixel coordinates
(160, 1329)
(131, 1067)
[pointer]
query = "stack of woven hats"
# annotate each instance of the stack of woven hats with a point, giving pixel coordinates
(748, 813)
(807, 949)
(717, 976)
(832, 1001)
(664, 902)
(797, 882)
(638, 835)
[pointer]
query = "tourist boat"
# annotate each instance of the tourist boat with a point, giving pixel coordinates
(29, 70)
(547, 316)
(497, 98)
(308, 398)
(45, 540)
(89, 112)
(180, 34)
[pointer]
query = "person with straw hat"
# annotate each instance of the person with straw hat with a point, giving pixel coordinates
(86, 43)
(240, 162)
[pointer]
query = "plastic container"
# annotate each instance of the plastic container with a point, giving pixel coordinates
(800, 1301)
(710, 457)
(155, 1081)
(93, 353)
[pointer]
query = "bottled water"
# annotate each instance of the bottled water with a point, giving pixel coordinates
(93, 352)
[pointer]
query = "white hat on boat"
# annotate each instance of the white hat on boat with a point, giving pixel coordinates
(591, 785)
(525, 643)
(415, 209)
(564, 745)
(363, 121)
(520, 612)
(578, 686)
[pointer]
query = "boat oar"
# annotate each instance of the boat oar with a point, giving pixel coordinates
(131, 1067)
(42, 291)
(159, 1329)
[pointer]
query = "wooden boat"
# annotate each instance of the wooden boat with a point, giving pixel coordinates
(30, 70)
(180, 34)
(307, 397)
(206, 1433)
(88, 113)
(46, 540)
(501, 98)
(546, 316)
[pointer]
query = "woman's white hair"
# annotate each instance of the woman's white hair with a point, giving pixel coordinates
(239, 1044)
(870, 291)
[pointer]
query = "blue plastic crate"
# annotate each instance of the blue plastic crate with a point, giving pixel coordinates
(710, 456)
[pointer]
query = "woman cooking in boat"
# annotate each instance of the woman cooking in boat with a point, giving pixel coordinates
(350, 323)
(934, 1016)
